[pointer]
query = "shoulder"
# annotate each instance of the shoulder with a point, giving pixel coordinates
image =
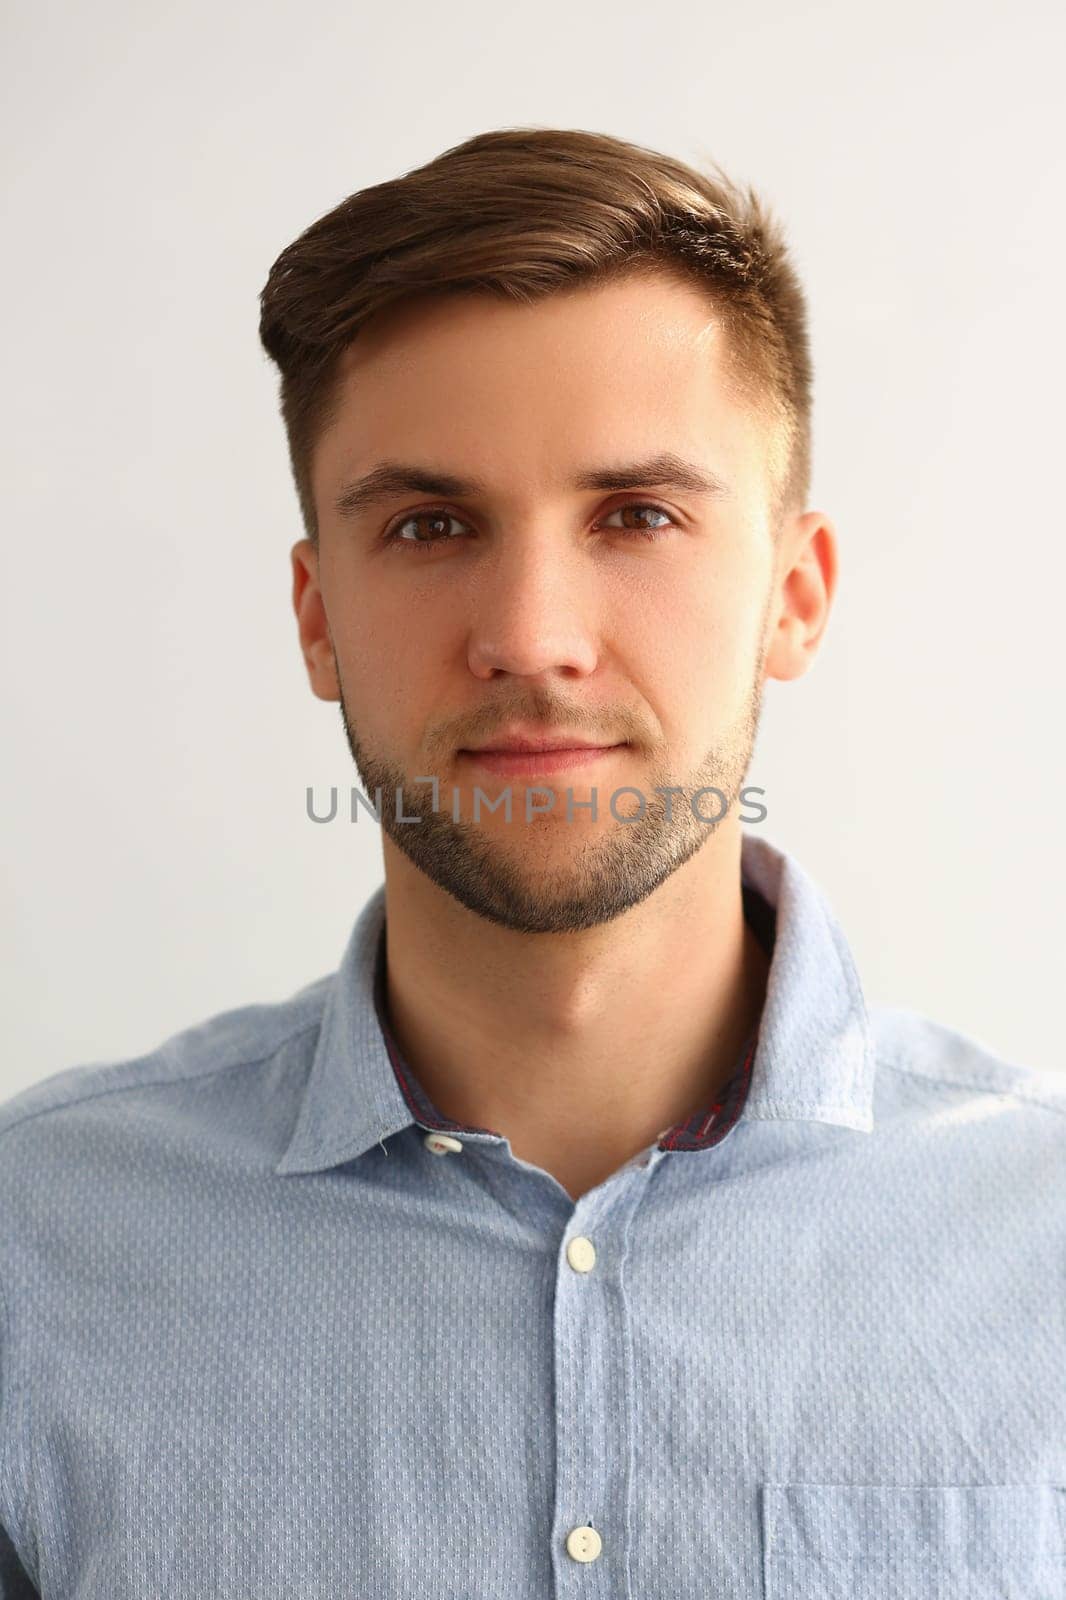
(946, 1062)
(231, 1042)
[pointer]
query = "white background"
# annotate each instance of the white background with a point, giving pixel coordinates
(160, 733)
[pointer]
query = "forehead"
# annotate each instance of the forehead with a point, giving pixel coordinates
(598, 371)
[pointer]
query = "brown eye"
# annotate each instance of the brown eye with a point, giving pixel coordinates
(642, 529)
(435, 522)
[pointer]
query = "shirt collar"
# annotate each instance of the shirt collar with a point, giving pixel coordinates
(814, 1060)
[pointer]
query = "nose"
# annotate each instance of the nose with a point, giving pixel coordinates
(534, 611)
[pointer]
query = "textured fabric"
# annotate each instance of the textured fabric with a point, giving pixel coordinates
(260, 1339)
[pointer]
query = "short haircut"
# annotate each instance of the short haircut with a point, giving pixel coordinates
(523, 213)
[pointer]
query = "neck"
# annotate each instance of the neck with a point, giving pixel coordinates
(583, 1048)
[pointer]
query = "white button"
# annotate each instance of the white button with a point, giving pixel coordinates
(441, 1143)
(581, 1254)
(584, 1544)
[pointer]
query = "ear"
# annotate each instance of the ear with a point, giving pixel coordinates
(315, 640)
(803, 593)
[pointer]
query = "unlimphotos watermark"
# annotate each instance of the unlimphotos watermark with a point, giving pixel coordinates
(536, 808)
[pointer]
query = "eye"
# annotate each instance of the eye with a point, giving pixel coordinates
(435, 516)
(643, 530)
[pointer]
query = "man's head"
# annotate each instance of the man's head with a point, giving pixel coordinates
(547, 401)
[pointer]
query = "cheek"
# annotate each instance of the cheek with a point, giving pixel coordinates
(693, 653)
(391, 664)
(700, 623)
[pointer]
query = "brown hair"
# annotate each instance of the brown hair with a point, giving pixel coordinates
(521, 213)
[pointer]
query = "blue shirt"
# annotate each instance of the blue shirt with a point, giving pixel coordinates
(267, 1331)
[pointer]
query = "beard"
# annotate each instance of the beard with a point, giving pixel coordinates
(616, 866)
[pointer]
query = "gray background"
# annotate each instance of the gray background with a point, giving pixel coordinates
(158, 864)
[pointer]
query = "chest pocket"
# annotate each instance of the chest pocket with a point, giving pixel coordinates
(860, 1542)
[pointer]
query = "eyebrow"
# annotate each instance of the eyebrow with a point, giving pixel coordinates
(391, 478)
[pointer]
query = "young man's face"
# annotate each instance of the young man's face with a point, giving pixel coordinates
(533, 600)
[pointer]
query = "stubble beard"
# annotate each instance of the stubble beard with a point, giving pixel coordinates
(615, 866)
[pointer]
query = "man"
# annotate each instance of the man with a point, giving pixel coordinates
(584, 1234)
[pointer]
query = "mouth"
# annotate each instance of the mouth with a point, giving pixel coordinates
(528, 763)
